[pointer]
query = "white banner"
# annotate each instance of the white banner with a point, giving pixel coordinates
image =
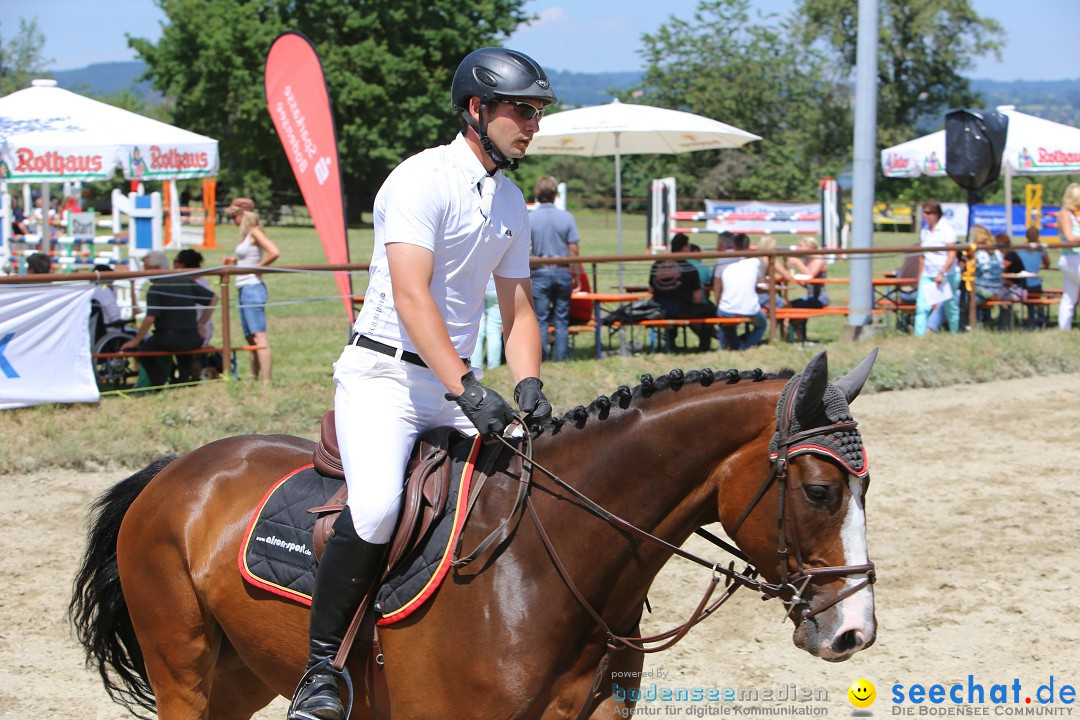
(956, 214)
(45, 345)
(752, 216)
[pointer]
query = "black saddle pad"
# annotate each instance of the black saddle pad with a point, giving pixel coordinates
(277, 555)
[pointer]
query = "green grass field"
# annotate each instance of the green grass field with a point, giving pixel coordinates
(308, 325)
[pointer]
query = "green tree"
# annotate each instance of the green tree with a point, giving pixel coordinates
(388, 66)
(20, 57)
(925, 48)
(749, 74)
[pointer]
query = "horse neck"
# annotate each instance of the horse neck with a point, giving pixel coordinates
(656, 464)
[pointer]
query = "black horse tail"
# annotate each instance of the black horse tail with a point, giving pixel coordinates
(98, 610)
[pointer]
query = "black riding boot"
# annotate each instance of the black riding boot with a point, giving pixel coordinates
(347, 570)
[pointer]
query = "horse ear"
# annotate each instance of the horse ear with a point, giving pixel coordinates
(815, 378)
(853, 382)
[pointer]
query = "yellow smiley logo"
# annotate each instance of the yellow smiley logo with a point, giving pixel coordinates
(862, 693)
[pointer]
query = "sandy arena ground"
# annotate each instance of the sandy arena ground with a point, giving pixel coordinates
(973, 511)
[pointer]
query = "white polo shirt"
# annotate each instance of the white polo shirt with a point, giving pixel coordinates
(739, 294)
(432, 200)
(942, 234)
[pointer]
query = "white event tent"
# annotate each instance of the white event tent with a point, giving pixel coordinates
(1033, 146)
(51, 135)
(48, 134)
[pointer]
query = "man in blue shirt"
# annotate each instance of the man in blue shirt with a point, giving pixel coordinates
(554, 234)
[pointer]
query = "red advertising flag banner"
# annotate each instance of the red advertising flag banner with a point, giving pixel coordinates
(300, 106)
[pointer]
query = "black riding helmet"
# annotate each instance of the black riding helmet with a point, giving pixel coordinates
(495, 73)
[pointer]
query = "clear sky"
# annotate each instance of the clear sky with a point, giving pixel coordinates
(593, 36)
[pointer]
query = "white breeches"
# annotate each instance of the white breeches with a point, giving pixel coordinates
(382, 405)
(1070, 272)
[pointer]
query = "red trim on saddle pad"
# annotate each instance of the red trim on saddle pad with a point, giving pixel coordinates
(444, 564)
(245, 571)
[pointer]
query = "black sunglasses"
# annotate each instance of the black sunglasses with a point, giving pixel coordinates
(525, 111)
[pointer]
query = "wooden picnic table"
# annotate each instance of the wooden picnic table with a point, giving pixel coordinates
(597, 299)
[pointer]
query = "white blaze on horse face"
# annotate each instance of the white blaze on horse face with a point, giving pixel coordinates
(856, 612)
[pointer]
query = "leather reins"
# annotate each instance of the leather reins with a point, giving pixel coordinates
(790, 583)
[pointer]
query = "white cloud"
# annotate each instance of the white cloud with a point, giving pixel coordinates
(547, 18)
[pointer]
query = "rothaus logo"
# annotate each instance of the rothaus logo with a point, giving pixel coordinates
(26, 161)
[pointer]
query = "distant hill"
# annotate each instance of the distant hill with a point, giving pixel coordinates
(102, 78)
(590, 88)
(573, 88)
(1057, 100)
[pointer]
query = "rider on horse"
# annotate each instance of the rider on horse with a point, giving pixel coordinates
(445, 221)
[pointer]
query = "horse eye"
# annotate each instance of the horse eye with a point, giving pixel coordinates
(816, 493)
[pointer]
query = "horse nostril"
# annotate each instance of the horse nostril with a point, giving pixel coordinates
(848, 641)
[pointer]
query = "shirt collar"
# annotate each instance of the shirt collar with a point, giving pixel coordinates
(471, 167)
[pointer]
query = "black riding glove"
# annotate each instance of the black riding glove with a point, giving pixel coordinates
(483, 406)
(530, 398)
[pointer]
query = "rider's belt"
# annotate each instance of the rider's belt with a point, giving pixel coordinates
(410, 357)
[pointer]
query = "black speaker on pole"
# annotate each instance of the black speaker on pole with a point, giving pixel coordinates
(974, 143)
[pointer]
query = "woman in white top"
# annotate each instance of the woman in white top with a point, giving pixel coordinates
(1069, 226)
(255, 250)
(939, 276)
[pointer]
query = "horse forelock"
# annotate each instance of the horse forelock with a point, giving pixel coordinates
(607, 406)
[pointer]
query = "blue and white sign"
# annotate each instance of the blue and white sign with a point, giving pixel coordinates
(45, 345)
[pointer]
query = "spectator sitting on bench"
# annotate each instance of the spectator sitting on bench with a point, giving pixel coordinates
(736, 286)
(676, 286)
(988, 266)
(170, 311)
(103, 302)
(38, 264)
(704, 273)
(781, 276)
(1014, 289)
(908, 294)
(1035, 259)
(18, 220)
(213, 364)
(813, 268)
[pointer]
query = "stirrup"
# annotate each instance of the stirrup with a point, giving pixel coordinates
(324, 667)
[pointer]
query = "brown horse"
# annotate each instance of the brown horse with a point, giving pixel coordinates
(165, 617)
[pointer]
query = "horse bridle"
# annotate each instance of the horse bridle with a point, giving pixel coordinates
(796, 583)
(789, 589)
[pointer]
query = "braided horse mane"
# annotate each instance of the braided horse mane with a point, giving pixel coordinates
(601, 407)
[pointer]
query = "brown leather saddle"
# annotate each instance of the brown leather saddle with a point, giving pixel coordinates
(427, 488)
(427, 491)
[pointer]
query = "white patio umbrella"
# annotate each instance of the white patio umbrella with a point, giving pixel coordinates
(629, 129)
(1033, 146)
